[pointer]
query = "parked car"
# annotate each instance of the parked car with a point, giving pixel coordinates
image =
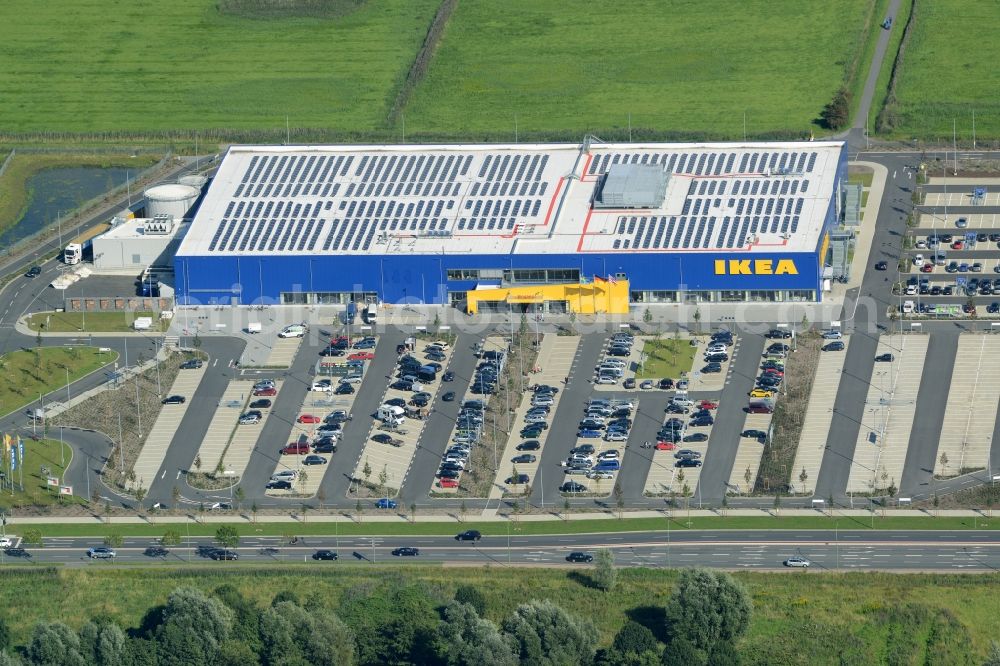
(572, 487)
(279, 484)
(295, 448)
(322, 386)
(314, 460)
(269, 392)
(836, 345)
(309, 418)
(173, 400)
(260, 404)
(191, 364)
(530, 445)
(884, 358)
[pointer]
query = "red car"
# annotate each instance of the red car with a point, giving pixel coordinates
(295, 448)
(775, 372)
(361, 356)
(707, 404)
(927, 268)
(268, 392)
(665, 446)
(958, 245)
(448, 483)
(310, 418)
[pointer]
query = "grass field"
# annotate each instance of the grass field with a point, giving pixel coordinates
(691, 67)
(802, 618)
(666, 358)
(92, 322)
(43, 370)
(36, 492)
(95, 66)
(945, 75)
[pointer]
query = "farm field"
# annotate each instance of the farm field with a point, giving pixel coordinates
(802, 618)
(692, 68)
(88, 66)
(944, 75)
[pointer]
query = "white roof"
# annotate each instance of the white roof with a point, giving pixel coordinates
(500, 199)
(135, 228)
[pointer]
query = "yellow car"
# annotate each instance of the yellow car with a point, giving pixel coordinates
(761, 393)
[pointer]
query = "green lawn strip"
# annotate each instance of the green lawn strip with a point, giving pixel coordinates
(522, 527)
(36, 491)
(813, 617)
(863, 178)
(14, 194)
(560, 73)
(92, 322)
(666, 357)
(306, 72)
(42, 370)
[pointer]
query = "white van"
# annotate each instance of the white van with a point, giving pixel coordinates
(389, 412)
(907, 307)
(293, 331)
(370, 314)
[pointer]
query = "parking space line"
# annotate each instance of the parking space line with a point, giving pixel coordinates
(887, 420)
(970, 414)
(160, 436)
(819, 416)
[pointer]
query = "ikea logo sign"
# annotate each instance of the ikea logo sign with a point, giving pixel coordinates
(755, 267)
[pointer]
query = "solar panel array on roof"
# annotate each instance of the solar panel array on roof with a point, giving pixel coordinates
(360, 197)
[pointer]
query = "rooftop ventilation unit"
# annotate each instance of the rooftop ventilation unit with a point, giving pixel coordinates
(633, 186)
(160, 225)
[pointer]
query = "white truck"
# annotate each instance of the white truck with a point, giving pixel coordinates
(73, 254)
(371, 313)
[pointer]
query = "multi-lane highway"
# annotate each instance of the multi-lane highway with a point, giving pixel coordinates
(975, 551)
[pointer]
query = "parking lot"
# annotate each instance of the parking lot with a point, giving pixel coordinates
(466, 432)
(558, 353)
(283, 352)
(154, 450)
(220, 430)
(245, 438)
(954, 268)
(970, 414)
(744, 473)
(819, 416)
(884, 435)
(401, 423)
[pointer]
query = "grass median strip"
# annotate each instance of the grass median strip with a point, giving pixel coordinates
(678, 522)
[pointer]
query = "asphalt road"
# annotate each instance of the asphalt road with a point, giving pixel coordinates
(960, 551)
(729, 419)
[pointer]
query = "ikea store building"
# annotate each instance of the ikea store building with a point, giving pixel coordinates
(588, 228)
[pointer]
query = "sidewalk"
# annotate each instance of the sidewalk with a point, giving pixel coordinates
(344, 517)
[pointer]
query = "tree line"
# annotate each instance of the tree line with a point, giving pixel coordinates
(400, 623)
